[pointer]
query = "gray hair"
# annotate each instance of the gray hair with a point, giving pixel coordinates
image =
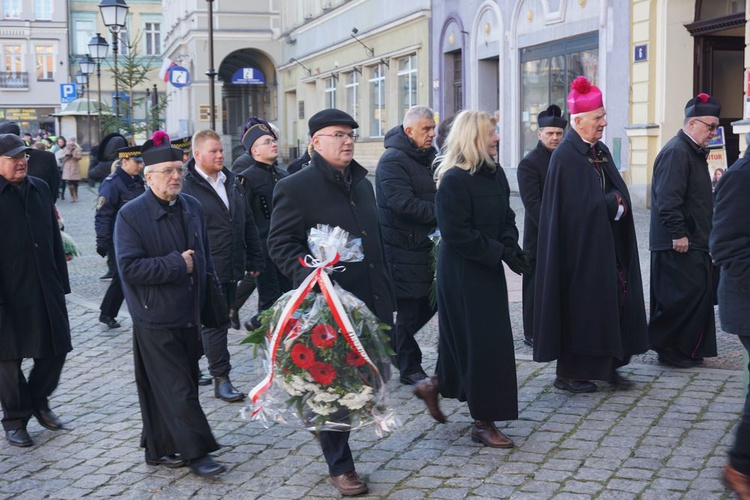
(415, 113)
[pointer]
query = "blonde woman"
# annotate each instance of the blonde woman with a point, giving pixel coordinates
(476, 361)
(71, 172)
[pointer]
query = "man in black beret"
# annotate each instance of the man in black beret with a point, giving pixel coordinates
(333, 190)
(532, 171)
(682, 329)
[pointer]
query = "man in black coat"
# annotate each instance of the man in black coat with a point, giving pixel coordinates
(405, 193)
(532, 171)
(33, 283)
(682, 327)
(333, 190)
(164, 261)
(123, 185)
(235, 248)
(259, 180)
(589, 313)
(42, 164)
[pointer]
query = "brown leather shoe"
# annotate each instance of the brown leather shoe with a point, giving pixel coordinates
(428, 391)
(487, 433)
(349, 484)
(737, 482)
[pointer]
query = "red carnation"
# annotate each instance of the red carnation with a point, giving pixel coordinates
(323, 373)
(354, 359)
(582, 85)
(703, 97)
(160, 137)
(323, 336)
(303, 356)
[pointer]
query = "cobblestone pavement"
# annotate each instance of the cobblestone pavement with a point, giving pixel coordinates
(665, 439)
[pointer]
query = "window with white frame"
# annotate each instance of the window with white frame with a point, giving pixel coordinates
(12, 59)
(377, 101)
(407, 83)
(331, 92)
(123, 42)
(152, 33)
(84, 30)
(352, 94)
(43, 10)
(45, 63)
(12, 9)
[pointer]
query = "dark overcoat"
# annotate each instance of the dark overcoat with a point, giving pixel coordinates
(476, 361)
(583, 256)
(34, 274)
(316, 195)
(259, 181)
(730, 246)
(532, 173)
(405, 193)
(43, 165)
(235, 244)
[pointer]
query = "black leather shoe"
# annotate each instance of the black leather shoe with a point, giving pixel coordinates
(575, 386)
(108, 276)
(172, 461)
(674, 358)
(19, 437)
(206, 467)
(529, 341)
(48, 420)
(234, 319)
(204, 379)
(223, 389)
(413, 378)
(253, 324)
(620, 383)
(109, 321)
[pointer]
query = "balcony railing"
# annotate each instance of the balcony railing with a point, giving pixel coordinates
(14, 80)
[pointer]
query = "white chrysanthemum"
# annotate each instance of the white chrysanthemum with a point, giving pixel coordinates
(355, 401)
(325, 397)
(320, 409)
(290, 388)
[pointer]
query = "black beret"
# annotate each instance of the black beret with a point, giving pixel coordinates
(11, 145)
(552, 117)
(10, 128)
(329, 117)
(133, 152)
(159, 150)
(254, 129)
(184, 143)
(703, 105)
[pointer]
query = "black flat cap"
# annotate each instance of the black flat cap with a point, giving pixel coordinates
(703, 105)
(159, 150)
(329, 117)
(11, 145)
(552, 117)
(10, 128)
(255, 128)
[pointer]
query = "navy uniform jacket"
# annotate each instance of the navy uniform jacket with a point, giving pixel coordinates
(117, 189)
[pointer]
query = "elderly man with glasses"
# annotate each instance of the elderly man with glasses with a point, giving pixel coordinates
(682, 328)
(33, 283)
(162, 251)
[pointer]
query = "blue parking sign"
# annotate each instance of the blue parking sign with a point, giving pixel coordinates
(68, 92)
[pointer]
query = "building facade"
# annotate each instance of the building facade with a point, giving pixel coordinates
(34, 48)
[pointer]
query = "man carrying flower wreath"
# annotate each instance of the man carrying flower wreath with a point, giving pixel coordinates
(333, 190)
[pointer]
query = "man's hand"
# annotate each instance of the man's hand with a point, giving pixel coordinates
(681, 245)
(518, 261)
(101, 250)
(188, 256)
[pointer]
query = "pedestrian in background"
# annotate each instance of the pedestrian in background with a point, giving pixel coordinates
(33, 283)
(476, 358)
(164, 263)
(730, 249)
(71, 172)
(405, 193)
(59, 151)
(682, 327)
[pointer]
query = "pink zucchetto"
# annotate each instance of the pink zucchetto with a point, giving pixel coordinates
(583, 96)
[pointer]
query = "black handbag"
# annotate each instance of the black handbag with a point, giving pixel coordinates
(215, 312)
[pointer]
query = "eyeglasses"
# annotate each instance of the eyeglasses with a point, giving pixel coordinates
(17, 158)
(268, 142)
(169, 172)
(340, 136)
(711, 126)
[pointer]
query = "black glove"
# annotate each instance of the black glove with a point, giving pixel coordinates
(518, 261)
(101, 250)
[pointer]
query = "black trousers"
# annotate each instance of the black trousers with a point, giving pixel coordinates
(739, 455)
(166, 376)
(412, 315)
(271, 285)
(528, 302)
(214, 340)
(113, 297)
(111, 261)
(338, 455)
(19, 397)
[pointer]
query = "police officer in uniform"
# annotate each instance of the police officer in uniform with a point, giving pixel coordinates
(185, 144)
(120, 187)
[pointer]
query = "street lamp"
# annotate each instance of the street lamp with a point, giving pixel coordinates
(98, 48)
(114, 14)
(82, 79)
(87, 67)
(211, 73)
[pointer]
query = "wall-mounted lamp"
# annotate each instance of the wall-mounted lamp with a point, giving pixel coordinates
(370, 50)
(307, 70)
